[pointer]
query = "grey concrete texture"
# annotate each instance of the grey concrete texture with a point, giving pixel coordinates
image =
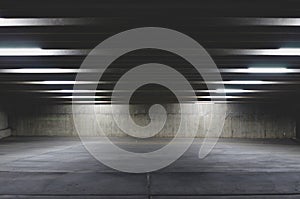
(40, 167)
(5, 133)
(4, 129)
(241, 121)
(3, 120)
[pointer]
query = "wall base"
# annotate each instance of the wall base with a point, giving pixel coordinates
(5, 133)
(242, 121)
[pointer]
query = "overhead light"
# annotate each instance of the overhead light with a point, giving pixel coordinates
(81, 97)
(61, 82)
(46, 70)
(238, 82)
(240, 21)
(232, 91)
(248, 82)
(261, 70)
(39, 70)
(20, 51)
(6, 22)
(229, 90)
(87, 102)
(112, 82)
(77, 91)
(254, 52)
(220, 97)
(269, 70)
(41, 52)
(289, 51)
(263, 21)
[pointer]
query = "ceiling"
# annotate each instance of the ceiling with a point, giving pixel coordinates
(238, 34)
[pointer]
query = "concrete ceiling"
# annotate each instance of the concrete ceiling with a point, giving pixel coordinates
(231, 31)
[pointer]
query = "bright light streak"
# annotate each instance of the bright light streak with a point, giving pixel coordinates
(220, 97)
(60, 82)
(47, 70)
(81, 97)
(263, 52)
(20, 51)
(261, 70)
(248, 82)
(11, 22)
(39, 70)
(40, 52)
(288, 51)
(77, 91)
(233, 91)
(88, 102)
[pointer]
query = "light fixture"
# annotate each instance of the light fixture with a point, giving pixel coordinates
(76, 91)
(269, 70)
(39, 70)
(263, 21)
(288, 51)
(20, 51)
(226, 90)
(261, 70)
(47, 70)
(40, 52)
(81, 97)
(255, 52)
(7, 22)
(60, 82)
(87, 102)
(219, 97)
(248, 82)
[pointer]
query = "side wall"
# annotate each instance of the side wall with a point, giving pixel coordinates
(4, 129)
(241, 121)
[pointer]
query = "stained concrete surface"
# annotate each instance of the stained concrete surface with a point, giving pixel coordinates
(242, 121)
(5, 131)
(36, 167)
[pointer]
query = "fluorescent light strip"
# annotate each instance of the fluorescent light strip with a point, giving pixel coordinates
(6, 22)
(109, 102)
(96, 97)
(110, 91)
(88, 102)
(60, 82)
(113, 82)
(239, 21)
(229, 90)
(104, 97)
(77, 91)
(233, 91)
(220, 97)
(254, 21)
(63, 70)
(263, 52)
(252, 82)
(261, 70)
(81, 97)
(39, 70)
(82, 52)
(47, 70)
(41, 52)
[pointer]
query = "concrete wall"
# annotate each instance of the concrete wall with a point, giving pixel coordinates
(4, 129)
(241, 121)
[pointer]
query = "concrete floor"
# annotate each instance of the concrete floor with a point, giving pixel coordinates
(34, 167)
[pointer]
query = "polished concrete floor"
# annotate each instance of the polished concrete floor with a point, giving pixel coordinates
(35, 167)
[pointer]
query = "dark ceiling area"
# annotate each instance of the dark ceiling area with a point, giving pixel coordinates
(240, 36)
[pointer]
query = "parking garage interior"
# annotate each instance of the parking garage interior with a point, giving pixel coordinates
(58, 115)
